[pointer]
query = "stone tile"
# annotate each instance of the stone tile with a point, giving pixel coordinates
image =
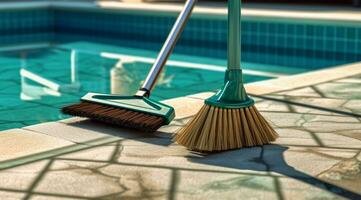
(332, 119)
(295, 161)
(300, 190)
(294, 137)
(302, 92)
(152, 151)
(358, 157)
(340, 90)
(353, 105)
(203, 95)
(246, 159)
(82, 131)
(346, 173)
(98, 153)
(269, 106)
(170, 129)
(4, 195)
(66, 132)
(349, 80)
(283, 120)
(48, 197)
(176, 156)
(319, 104)
(113, 181)
(224, 186)
(150, 182)
(16, 143)
(76, 180)
(331, 127)
(338, 141)
(313, 111)
(21, 177)
(356, 134)
(184, 106)
(340, 154)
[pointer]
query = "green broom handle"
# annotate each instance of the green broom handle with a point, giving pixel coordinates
(234, 34)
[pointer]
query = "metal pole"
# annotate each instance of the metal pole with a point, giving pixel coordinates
(234, 34)
(167, 48)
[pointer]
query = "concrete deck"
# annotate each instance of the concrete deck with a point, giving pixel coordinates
(318, 154)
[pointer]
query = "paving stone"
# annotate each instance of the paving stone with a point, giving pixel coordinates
(17, 143)
(153, 151)
(329, 126)
(4, 195)
(332, 119)
(142, 182)
(359, 156)
(170, 129)
(346, 173)
(290, 189)
(83, 131)
(185, 107)
(298, 159)
(242, 159)
(338, 141)
(20, 177)
(284, 120)
(49, 197)
(307, 110)
(295, 137)
(356, 134)
(203, 95)
(67, 131)
(77, 180)
(303, 92)
(349, 80)
(353, 105)
(224, 186)
(322, 103)
(340, 154)
(101, 153)
(340, 90)
(272, 106)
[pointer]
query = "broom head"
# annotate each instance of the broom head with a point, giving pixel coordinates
(229, 120)
(219, 129)
(134, 112)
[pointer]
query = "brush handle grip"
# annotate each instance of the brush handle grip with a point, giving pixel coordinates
(234, 34)
(167, 49)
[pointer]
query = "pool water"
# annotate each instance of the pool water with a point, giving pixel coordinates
(36, 83)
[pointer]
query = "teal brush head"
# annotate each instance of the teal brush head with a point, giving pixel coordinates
(136, 112)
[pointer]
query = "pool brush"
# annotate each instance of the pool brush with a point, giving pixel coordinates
(229, 119)
(139, 111)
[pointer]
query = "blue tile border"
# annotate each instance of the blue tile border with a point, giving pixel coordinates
(279, 42)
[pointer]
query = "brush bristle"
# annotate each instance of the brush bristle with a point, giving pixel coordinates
(116, 116)
(218, 129)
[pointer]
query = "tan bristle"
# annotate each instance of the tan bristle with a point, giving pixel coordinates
(218, 129)
(117, 116)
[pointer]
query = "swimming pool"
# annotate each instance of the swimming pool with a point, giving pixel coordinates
(51, 56)
(36, 83)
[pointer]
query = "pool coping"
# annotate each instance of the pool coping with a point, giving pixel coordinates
(304, 79)
(185, 107)
(218, 10)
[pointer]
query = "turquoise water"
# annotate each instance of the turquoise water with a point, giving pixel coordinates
(36, 83)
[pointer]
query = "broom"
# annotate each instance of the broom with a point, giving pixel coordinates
(138, 111)
(229, 119)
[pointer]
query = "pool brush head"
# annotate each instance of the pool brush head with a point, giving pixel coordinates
(219, 129)
(228, 120)
(133, 112)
